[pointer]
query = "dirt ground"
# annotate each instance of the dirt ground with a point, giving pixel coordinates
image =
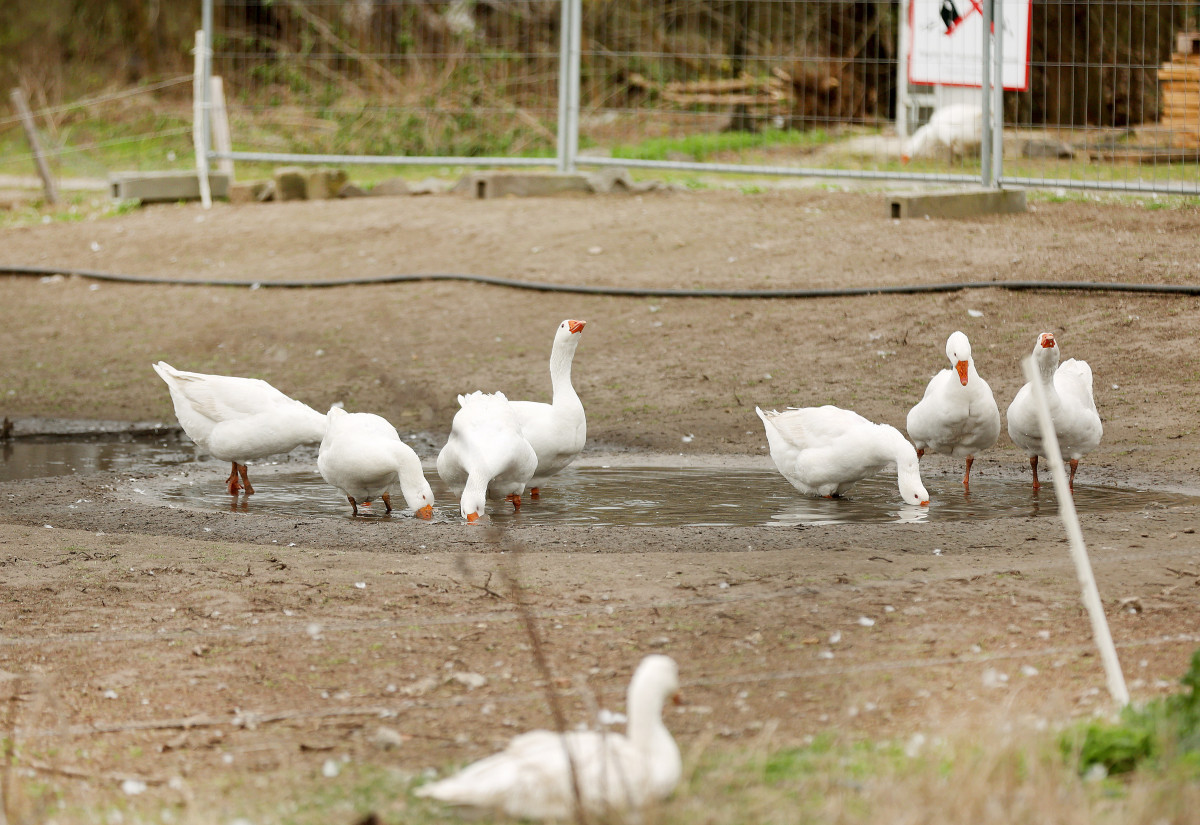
(237, 663)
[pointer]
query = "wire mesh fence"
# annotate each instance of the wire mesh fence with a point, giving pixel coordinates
(144, 127)
(1106, 93)
(390, 79)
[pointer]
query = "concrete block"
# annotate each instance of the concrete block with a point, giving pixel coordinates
(957, 203)
(523, 184)
(325, 182)
(392, 187)
(155, 187)
(291, 183)
(255, 191)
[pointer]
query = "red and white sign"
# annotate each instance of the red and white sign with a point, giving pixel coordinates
(947, 42)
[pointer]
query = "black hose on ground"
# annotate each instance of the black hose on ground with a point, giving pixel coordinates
(619, 291)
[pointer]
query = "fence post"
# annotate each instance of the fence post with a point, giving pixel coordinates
(18, 99)
(985, 88)
(576, 57)
(200, 121)
(998, 98)
(564, 58)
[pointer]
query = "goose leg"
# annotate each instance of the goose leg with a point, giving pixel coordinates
(353, 504)
(1074, 467)
(1033, 459)
(515, 499)
(533, 492)
(387, 502)
(245, 473)
(967, 477)
(232, 481)
(920, 453)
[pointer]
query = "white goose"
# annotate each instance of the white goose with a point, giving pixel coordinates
(824, 451)
(486, 455)
(362, 455)
(533, 777)
(957, 128)
(1072, 408)
(556, 431)
(958, 415)
(239, 419)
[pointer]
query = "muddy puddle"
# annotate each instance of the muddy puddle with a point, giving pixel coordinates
(679, 496)
(625, 493)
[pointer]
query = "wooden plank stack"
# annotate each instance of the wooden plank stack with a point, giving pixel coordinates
(1180, 84)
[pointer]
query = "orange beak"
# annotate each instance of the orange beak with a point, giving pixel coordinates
(575, 326)
(961, 366)
(425, 512)
(1047, 340)
(472, 518)
(364, 504)
(925, 503)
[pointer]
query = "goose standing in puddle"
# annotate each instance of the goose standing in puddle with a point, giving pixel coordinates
(958, 415)
(556, 431)
(486, 455)
(362, 455)
(239, 419)
(1072, 408)
(538, 774)
(824, 451)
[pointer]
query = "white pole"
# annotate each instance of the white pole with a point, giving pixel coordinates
(576, 56)
(564, 81)
(985, 80)
(1083, 567)
(902, 101)
(199, 120)
(222, 138)
(998, 91)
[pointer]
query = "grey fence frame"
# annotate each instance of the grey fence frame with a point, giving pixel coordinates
(568, 159)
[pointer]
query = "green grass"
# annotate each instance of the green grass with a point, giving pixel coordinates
(1162, 735)
(703, 147)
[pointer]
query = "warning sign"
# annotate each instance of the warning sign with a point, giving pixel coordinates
(947, 42)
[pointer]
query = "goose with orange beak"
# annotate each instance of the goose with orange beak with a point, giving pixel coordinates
(1068, 390)
(362, 455)
(486, 456)
(958, 415)
(557, 431)
(824, 451)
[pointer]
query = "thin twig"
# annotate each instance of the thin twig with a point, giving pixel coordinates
(539, 657)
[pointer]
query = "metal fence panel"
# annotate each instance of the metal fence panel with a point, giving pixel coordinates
(754, 87)
(374, 81)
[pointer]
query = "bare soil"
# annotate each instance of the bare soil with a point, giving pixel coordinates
(225, 658)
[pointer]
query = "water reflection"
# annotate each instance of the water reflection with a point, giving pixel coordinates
(43, 458)
(600, 496)
(670, 497)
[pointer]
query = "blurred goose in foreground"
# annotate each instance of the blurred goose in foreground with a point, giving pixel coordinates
(556, 431)
(239, 419)
(1072, 408)
(486, 455)
(958, 415)
(824, 451)
(362, 455)
(533, 777)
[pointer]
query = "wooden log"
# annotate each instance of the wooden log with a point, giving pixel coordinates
(39, 159)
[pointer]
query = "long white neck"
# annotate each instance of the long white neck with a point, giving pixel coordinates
(308, 423)
(561, 357)
(645, 707)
